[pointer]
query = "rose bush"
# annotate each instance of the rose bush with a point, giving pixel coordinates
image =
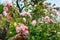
(36, 25)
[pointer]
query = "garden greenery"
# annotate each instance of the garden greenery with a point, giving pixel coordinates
(40, 22)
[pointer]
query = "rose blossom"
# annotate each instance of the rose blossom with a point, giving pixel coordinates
(25, 31)
(10, 4)
(22, 14)
(17, 29)
(47, 19)
(23, 28)
(4, 13)
(4, 4)
(55, 12)
(5, 8)
(34, 22)
(25, 14)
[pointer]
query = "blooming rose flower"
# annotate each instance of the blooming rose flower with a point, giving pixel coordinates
(4, 4)
(25, 31)
(10, 4)
(4, 13)
(55, 12)
(17, 29)
(47, 19)
(5, 8)
(34, 22)
(23, 28)
(22, 14)
(25, 14)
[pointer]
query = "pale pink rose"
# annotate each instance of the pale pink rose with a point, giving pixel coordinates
(22, 14)
(55, 12)
(34, 22)
(23, 27)
(25, 14)
(4, 13)
(10, 4)
(25, 30)
(24, 19)
(5, 8)
(4, 4)
(18, 29)
(47, 19)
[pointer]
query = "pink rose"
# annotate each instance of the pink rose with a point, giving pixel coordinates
(4, 4)
(23, 28)
(10, 4)
(25, 14)
(55, 12)
(18, 29)
(25, 31)
(34, 22)
(47, 19)
(5, 8)
(4, 13)
(22, 14)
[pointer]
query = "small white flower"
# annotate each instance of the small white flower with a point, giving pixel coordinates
(24, 19)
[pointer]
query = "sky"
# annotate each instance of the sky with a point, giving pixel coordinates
(57, 2)
(1, 1)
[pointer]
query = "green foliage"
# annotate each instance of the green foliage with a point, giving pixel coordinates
(1, 9)
(42, 31)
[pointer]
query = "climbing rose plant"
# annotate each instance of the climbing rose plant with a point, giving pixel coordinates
(36, 25)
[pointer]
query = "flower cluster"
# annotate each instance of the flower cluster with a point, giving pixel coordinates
(38, 20)
(23, 28)
(8, 4)
(25, 14)
(5, 9)
(47, 19)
